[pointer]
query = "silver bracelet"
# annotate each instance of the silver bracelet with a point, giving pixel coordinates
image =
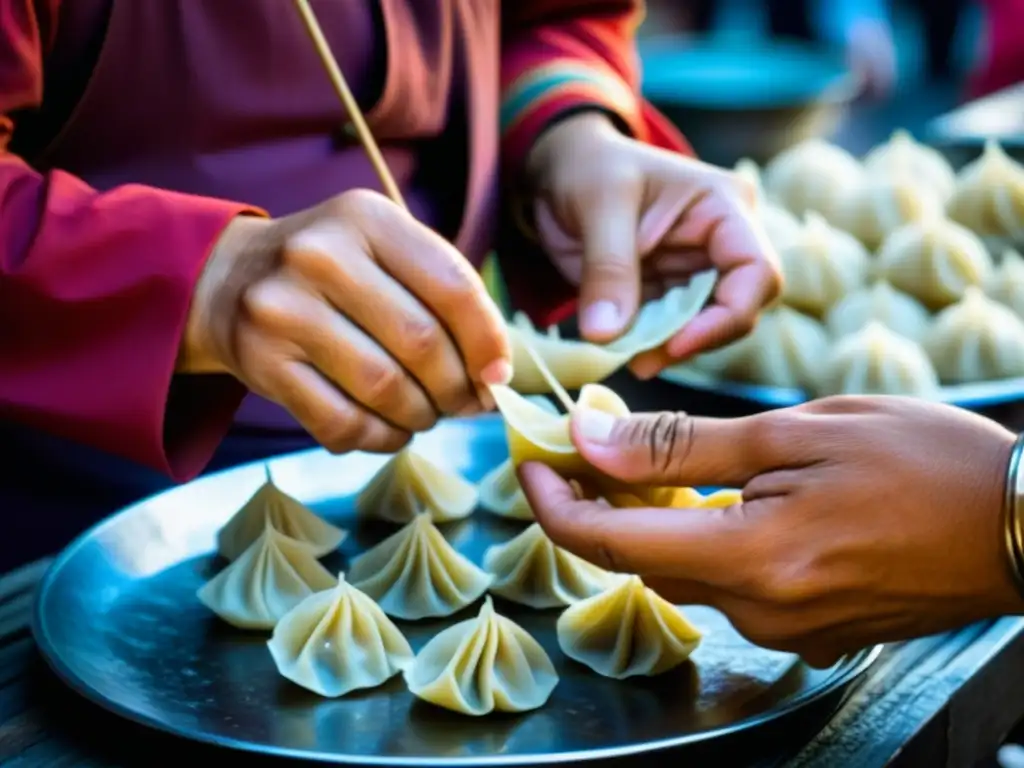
(1013, 512)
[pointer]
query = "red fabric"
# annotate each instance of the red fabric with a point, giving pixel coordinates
(1002, 64)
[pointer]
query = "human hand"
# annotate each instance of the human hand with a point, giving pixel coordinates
(626, 221)
(871, 54)
(863, 520)
(359, 320)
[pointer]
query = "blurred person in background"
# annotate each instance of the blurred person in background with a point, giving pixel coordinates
(1002, 57)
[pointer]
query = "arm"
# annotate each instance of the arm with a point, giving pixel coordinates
(95, 290)
(560, 57)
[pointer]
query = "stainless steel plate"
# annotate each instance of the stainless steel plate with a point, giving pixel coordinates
(118, 620)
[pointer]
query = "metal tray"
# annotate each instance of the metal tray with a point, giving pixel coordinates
(117, 619)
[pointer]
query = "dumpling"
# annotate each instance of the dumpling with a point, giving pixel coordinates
(691, 498)
(270, 505)
(989, 197)
(877, 361)
(270, 578)
(575, 363)
(749, 174)
(822, 266)
(811, 176)
(410, 484)
(894, 309)
(338, 641)
(902, 155)
(781, 226)
(531, 570)
(1006, 283)
(416, 574)
(481, 665)
(877, 208)
(934, 261)
(627, 630)
(977, 339)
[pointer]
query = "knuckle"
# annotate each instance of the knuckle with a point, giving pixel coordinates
(610, 270)
(360, 203)
(383, 385)
(421, 339)
(338, 432)
(265, 305)
(304, 253)
(667, 438)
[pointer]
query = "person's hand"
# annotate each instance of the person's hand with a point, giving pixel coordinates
(363, 323)
(863, 520)
(871, 54)
(626, 221)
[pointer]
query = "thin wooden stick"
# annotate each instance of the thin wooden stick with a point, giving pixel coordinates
(355, 114)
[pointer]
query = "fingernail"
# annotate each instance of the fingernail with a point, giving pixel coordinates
(595, 426)
(645, 370)
(602, 317)
(498, 372)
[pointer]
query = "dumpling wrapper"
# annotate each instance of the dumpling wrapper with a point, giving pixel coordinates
(415, 574)
(271, 577)
(902, 155)
(338, 641)
(878, 361)
(977, 339)
(481, 665)
(989, 197)
(627, 630)
(812, 176)
(410, 485)
(529, 569)
(885, 203)
(1006, 284)
(575, 363)
(880, 302)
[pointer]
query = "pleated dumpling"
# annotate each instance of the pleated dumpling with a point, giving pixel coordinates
(903, 155)
(338, 641)
(977, 339)
(529, 569)
(877, 361)
(1006, 284)
(989, 197)
(874, 210)
(627, 630)
(781, 226)
(822, 266)
(270, 578)
(935, 261)
(880, 302)
(283, 513)
(415, 574)
(410, 485)
(481, 665)
(812, 176)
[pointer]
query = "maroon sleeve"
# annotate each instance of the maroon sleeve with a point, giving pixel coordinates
(94, 293)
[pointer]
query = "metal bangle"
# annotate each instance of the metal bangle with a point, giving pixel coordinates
(1013, 512)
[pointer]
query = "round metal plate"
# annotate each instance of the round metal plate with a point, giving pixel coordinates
(118, 620)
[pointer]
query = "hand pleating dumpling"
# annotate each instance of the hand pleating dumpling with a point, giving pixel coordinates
(484, 664)
(270, 578)
(1006, 284)
(877, 361)
(338, 641)
(416, 573)
(822, 266)
(627, 630)
(531, 570)
(410, 484)
(880, 302)
(270, 505)
(812, 176)
(575, 363)
(883, 204)
(934, 261)
(989, 197)
(901, 155)
(977, 339)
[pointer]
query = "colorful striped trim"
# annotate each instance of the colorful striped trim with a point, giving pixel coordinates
(561, 79)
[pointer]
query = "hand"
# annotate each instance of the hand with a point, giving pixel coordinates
(360, 321)
(871, 54)
(863, 520)
(626, 221)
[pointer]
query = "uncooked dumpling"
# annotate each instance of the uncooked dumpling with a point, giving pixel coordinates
(902, 155)
(691, 498)
(934, 261)
(894, 309)
(877, 208)
(977, 339)
(410, 484)
(781, 226)
(1006, 284)
(822, 266)
(338, 641)
(270, 578)
(877, 361)
(481, 665)
(627, 630)
(989, 197)
(416, 573)
(575, 363)
(531, 570)
(811, 176)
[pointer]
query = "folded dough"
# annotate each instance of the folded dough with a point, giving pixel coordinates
(410, 484)
(270, 578)
(1006, 284)
(902, 155)
(627, 630)
(416, 573)
(338, 641)
(893, 308)
(877, 208)
(989, 197)
(485, 664)
(977, 339)
(877, 361)
(812, 176)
